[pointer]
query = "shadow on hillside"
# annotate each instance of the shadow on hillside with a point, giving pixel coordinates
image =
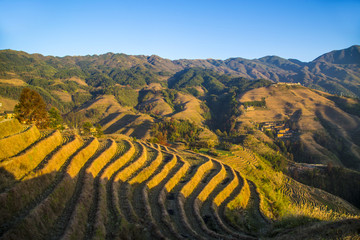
(336, 180)
(108, 118)
(6, 179)
(47, 206)
(121, 123)
(23, 202)
(142, 129)
(343, 229)
(295, 117)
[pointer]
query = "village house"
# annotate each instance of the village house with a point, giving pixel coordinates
(281, 131)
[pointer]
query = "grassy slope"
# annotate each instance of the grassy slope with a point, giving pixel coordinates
(287, 202)
(190, 108)
(312, 113)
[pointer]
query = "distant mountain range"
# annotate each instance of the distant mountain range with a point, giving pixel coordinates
(337, 72)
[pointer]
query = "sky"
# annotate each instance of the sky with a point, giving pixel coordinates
(174, 29)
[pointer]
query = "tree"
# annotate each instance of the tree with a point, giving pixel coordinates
(56, 119)
(86, 127)
(75, 119)
(31, 108)
(99, 132)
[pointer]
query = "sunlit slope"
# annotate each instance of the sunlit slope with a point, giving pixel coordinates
(104, 189)
(327, 133)
(115, 118)
(288, 203)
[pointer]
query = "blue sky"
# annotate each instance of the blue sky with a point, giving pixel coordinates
(174, 29)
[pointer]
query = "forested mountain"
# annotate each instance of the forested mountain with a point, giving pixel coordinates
(336, 72)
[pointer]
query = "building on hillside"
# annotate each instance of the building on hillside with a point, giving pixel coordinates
(279, 129)
(288, 83)
(279, 135)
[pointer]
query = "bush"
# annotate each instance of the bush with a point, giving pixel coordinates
(176, 130)
(226, 146)
(56, 119)
(86, 127)
(261, 103)
(277, 161)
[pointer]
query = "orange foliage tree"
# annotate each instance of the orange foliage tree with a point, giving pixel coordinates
(32, 108)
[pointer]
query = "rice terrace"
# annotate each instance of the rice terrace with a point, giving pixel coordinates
(63, 186)
(179, 120)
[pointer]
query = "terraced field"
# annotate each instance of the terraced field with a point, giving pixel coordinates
(61, 187)
(280, 197)
(69, 188)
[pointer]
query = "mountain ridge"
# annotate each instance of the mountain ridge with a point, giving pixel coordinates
(349, 55)
(336, 72)
(154, 56)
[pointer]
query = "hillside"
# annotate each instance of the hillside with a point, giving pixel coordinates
(64, 186)
(129, 94)
(316, 130)
(322, 130)
(129, 98)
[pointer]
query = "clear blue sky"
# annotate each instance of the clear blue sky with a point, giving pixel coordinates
(302, 29)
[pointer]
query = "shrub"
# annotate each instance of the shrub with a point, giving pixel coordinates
(175, 131)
